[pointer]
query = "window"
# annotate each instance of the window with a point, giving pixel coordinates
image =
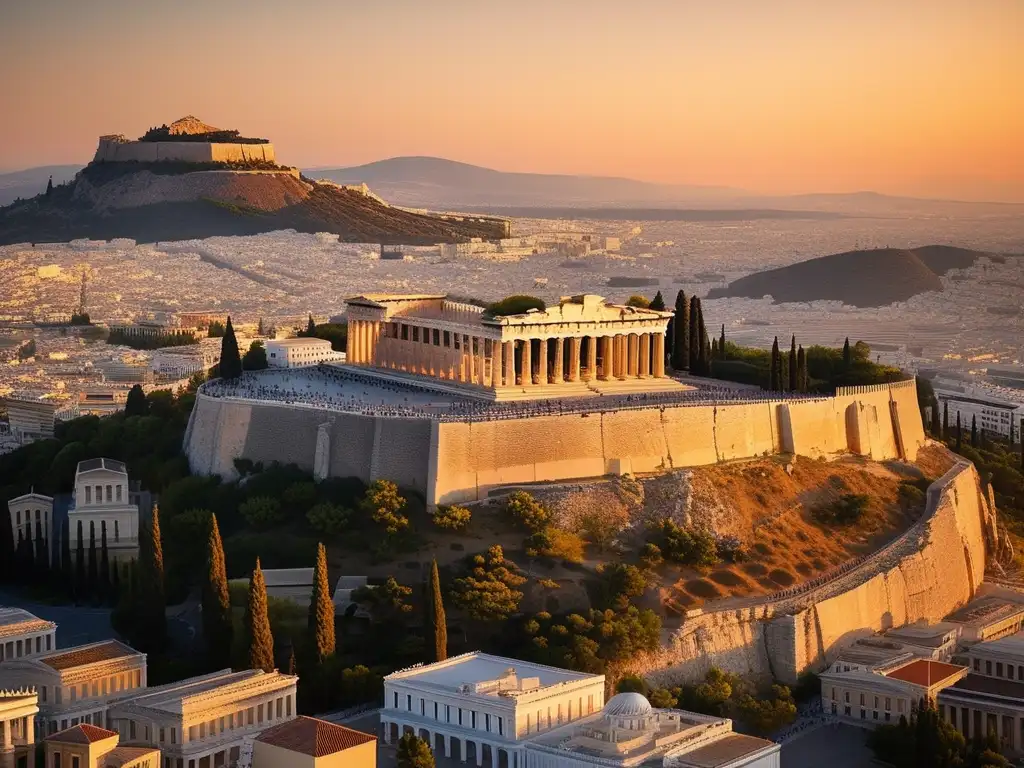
(977, 665)
(119, 493)
(460, 715)
(278, 707)
(88, 495)
(988, 667)
(396, 699)
(472, 719)
(163, 733)
(56, 760)
(487, 722)
(874, 715)
(202, 726)
(435, 710)
(862, 699)
(888, 704)
(876, 702)
(1009, 671)
(846, 697)
(887, 717)
(259, 714)
(131, 729)
(501, 726)
(899, 705)
(250, 715)
(74, 761)
(110, 494)
(863, 714)
(408, 702)
(423, 707)
(117, 531)
(288, 706)
(846, 711)
(999, 669)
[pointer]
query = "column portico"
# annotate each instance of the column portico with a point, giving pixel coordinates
(645, 356)
(659, 356)
(574, 358)
(607, 359)
(559, 361)
(542, 363)
(591, 368)
(509, 358)
(527, 363)
(632, 357)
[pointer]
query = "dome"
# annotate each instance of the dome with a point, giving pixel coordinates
(628, 705)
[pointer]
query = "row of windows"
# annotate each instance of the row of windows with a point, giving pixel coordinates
(277, 709)
(1008, 671)
(28, 516)
(124, 681)
(103, 530)
(885, 716)
(544, 718)
(15, 649)
(863, 701)
(99, 493)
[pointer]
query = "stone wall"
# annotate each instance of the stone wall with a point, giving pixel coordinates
(927, 572)
(111, 150)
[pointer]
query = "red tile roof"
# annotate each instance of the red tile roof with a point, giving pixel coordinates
(82, 734)
(88, 654)
(924, 672)
(313, 737)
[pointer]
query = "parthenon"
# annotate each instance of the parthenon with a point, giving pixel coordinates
(583, 346)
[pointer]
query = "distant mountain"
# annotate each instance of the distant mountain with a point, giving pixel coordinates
(31, 181)
(435, 182)
(872, 278)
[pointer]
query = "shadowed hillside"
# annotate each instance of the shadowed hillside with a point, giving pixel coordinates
(872, 278)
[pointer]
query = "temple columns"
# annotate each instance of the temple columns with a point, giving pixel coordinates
(591, 368)
(645, 356)
(542, 363)
(471, 360)
(481, 361)
(631, 355)
(527, 363)
(559, 361)
(509, 358)
(620, 358)
(659, 355)
(574, 358)
(494, 380)
(607, 356)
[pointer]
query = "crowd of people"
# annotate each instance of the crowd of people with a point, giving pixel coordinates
(333, 388)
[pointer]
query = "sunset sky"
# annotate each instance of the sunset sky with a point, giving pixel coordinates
(921, 97)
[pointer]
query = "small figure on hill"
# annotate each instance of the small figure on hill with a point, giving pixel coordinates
(49, 187)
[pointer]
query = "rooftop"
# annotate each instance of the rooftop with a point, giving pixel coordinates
(17, 621)
(989, 686)
(1011, 645)
(82, 734)
(299, 342)
(288, 577)
(476, 667)
(88, 654)
(109, 464)
(313, 737)
(119, 756)
(984, 611)
(925, 672)
(722, 752)
(204, 691)
(930, 635)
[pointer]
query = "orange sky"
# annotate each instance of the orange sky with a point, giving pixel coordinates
(922, 97)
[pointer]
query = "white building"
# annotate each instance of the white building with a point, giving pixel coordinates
(23, 635)
(481, 705)
(298, 353)
(31, 513)
(992, 414)
(101, 503)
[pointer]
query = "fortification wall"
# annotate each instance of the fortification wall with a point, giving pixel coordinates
(929, 571)
(115, 151)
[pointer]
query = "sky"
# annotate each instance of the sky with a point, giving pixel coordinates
(916, 97)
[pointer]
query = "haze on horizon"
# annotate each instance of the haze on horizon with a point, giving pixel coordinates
(915, 97)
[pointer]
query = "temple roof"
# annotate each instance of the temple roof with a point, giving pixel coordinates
(313, 737)
(83, 733)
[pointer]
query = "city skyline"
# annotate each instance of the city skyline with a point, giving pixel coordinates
(910, 98)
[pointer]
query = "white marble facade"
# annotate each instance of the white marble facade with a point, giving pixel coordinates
(102, 504)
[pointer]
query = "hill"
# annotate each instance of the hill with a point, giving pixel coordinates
(872, 278)
(172, 201)
(31, 181)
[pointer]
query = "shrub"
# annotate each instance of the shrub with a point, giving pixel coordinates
(557, 544)
(527, 511)
(662, 698)
(488, 592)
(631, 684)
(515, 305)
(910, 497)
(383, 504)
(650, 556)
(451, 517)
(618, 582)
(299, 497)
(328, 518)
(261, 511)
(731, 550)
(845, 510)
(687, 546)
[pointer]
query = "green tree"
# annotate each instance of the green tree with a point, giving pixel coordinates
(619, 583)
(693, 334)
(639, 301)
(261, 511)
(136, 404)
(257, 623)
(383, 504)
(216, 608)
(103, 589)
(801, 368)
(93, 573)
(847, 354)
(260, 330)
(321, 609)
(328, 518)
(414, 752)
(974, 431)
(150, 615)
(488, 592)
(451, 517)
(438, 621)
(514, 305)
(216, 330)
(959, 433)
(945, 420)
(657, 303)
(230, 360)
(255, 358)
(67, 570)
(311, 326)
(81, 585)
(527, 511)
(7, 552)
(721, 344)
(681, 334)
(793, 368)
(631, 684)
(775, 375)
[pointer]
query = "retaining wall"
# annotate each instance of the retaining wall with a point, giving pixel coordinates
(929, 571)
(110, 150)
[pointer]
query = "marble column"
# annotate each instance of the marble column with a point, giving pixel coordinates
(645, 356)
(481, 360)
(574, 358)
(607, 357)
(542, 362)
(470, 359)
(365, 347)
(659, 355)
(632, 356)
(509, 358)
(621, 358)
(494, 380)
(559, 360)
(350, 344)
(591, 358)
(527, 363)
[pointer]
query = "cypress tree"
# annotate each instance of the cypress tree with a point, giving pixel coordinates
(49, 187)
(721, 344)
(66, 569)
(230, 359)
(80, 584)
(714, 349)
(681, 334)
(26, 563)
(847, 353)
(321, 609)
(793, 370)
(438, 621)
(974, 431)
(694, 338)
(216, 609)
(945, 420)
(775, 372)
(42, 555)
(91, 584)
(104, 580)
(936, 426)
(310, 326)
(291, 661)
(151, 611)
(257, 623)
(658, 302)
(1021, 433)
(115, 583)
(136, 404)
(8, 552)
(801, 369)
(259, 328)
(983, 439)
(959, 434)
(705, 360)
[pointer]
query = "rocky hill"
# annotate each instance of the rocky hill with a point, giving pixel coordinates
(872, 278)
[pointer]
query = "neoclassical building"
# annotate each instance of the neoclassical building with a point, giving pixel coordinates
(18, 709)
(582, 346)
(23, 635)
(89, 746)
(32, 517)
(102, 504)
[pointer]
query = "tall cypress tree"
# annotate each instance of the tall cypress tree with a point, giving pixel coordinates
(681, 333)
(1021, 433)
(81, 587)
(847, 353)
(936, 426)
(321, 609)
(945, 419)
(793, 386)
(115, 582)
(721, 344)
(438, 621)
(151, 609)
(104, 576)
(310, 325)
(257, 623)
(775, 371)
(974, 431)
(26, 563)
(41, 553)
(230, 359)
(8, 552)
(694, 340)
(801, 369)
(67, 571)
(216, 611)
(91, 584)
(658, 302)
(959, 433)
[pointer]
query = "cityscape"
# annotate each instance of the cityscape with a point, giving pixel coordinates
(325, 442)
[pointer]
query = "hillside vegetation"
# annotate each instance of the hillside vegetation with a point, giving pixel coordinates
(872, 278)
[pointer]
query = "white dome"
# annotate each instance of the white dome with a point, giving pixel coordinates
(628, 705)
